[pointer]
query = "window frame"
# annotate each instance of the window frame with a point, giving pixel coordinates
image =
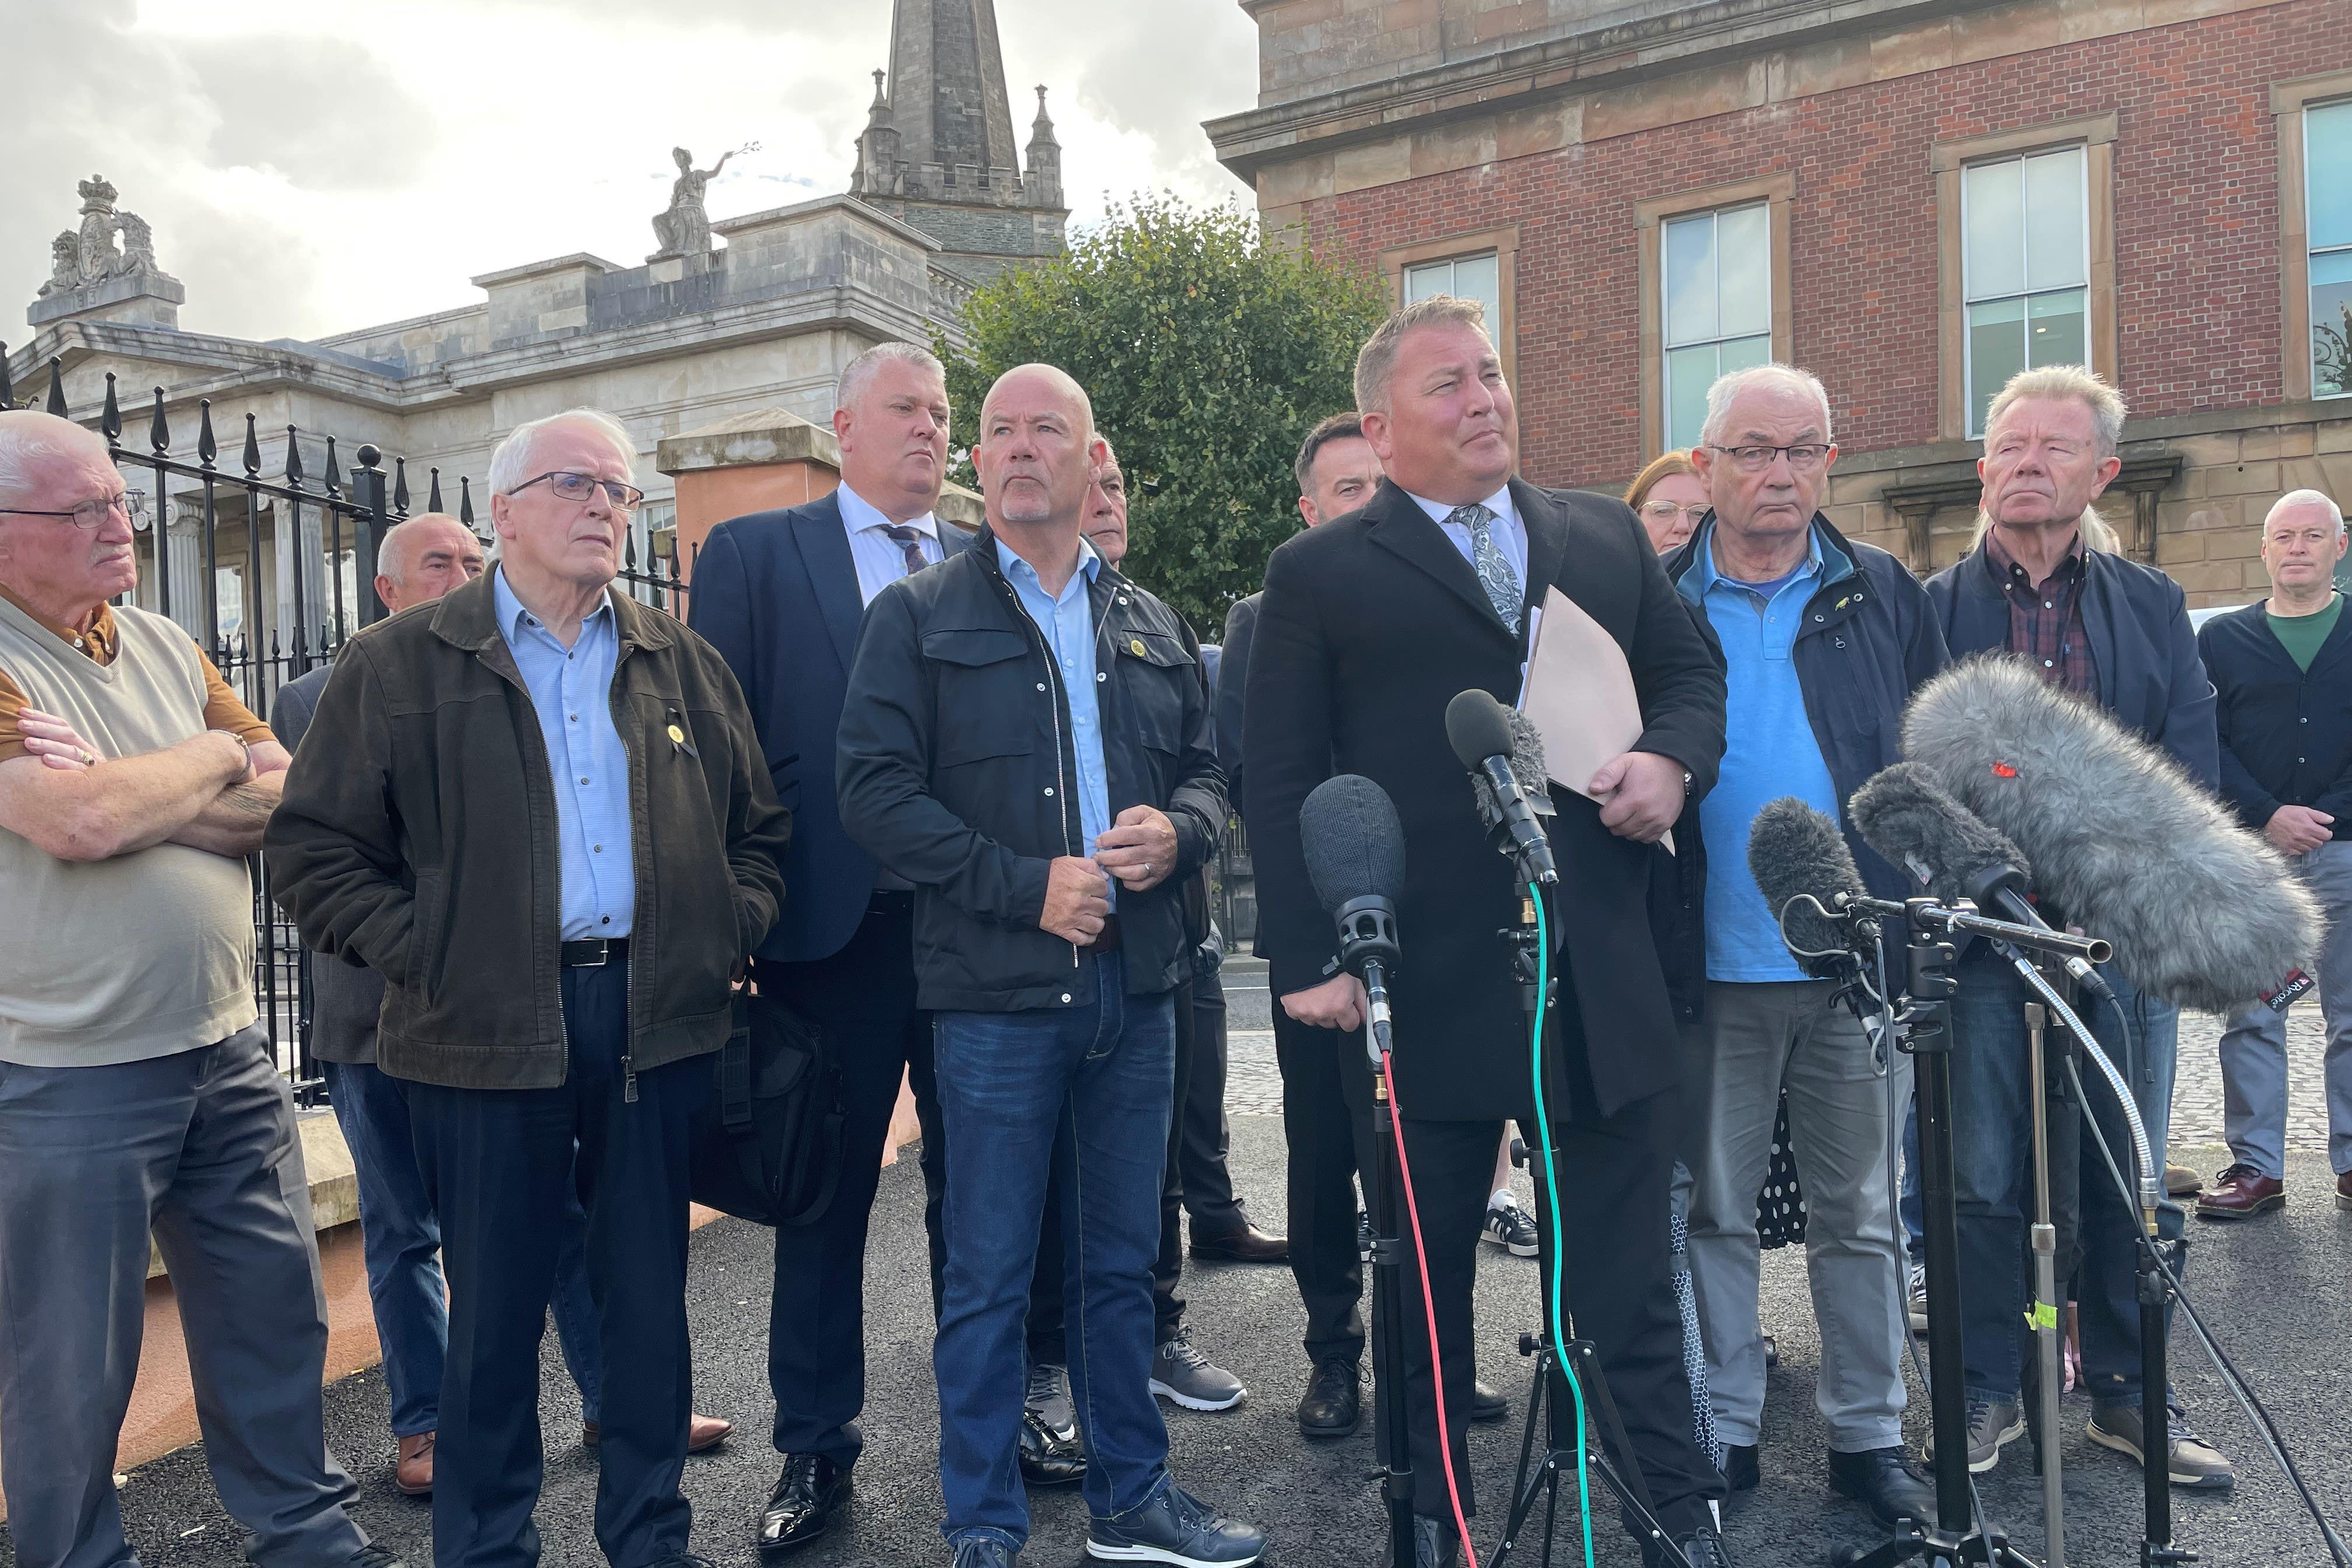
(1504, 243)
(1948, 162)
(2289, 99)
(1778, 193)
(2026, 294)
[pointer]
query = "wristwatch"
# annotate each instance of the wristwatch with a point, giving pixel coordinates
(248, 751)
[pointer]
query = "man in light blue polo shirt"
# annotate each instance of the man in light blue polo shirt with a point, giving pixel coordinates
(1823, 641)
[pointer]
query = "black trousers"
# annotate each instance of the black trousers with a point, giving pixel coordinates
(864, 996)
(1048, 1317)
(1319, 1128)
(1208, 1181)
(495, 1163)
(1614, 1173)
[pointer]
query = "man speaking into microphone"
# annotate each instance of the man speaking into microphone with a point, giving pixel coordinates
(1370, 625)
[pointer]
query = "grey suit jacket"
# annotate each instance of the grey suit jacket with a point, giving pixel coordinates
(345, 997)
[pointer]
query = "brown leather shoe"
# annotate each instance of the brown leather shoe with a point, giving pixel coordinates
(2344, 1191)
(412, 1472)
(1247, 1245)
(2240, 1192)
(703, 1433)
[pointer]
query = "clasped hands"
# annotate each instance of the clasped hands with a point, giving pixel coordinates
(1139, 850)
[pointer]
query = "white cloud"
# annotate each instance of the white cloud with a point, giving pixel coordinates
(312, 166)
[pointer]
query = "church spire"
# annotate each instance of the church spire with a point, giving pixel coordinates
(948, 98)
(1044, 184)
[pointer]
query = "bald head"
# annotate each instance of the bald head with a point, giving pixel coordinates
(424, 558)
(1038, 450)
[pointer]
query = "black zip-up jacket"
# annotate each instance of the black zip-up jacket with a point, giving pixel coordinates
(2286, 733)
(1869, 640)
(957, 771)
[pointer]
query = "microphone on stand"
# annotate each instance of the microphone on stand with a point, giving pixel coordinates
(1355, 859)
(1908, 817)
(1480, 732)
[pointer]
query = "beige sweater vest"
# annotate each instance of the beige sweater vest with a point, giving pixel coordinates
(149, 953)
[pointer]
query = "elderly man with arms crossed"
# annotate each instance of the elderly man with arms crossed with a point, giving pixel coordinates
(2284, 705)
(419, 562)
(137, 1088)
(539, 809)
(1023, 726)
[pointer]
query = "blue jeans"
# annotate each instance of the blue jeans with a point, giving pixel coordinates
(1992, 1119)
(1085, 1091)
(401, 1239)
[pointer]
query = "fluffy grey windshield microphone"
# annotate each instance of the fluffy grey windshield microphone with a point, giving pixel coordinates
(2202, 913)
(1527, 766)
(1794, 851)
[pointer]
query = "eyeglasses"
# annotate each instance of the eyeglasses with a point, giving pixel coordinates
(583, 488)
(1666, 511)
(92, 514)
(1804, 457)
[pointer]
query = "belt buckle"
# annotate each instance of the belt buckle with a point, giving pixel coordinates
(598, 961)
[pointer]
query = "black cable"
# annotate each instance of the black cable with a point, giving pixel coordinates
(2231, 1378)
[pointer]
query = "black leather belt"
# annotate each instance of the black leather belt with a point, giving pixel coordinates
(1108, 940)
(591, 952)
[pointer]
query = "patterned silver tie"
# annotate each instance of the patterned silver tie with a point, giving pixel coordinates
(1493, 568)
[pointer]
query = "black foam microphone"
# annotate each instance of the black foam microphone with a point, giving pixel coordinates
(1354, 846)
(1795, 853)
(1526, 767)
(2202, 912)
(1908, 816)
(1479, 730)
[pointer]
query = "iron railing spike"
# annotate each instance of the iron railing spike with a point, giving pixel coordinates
(465, 500)
(334, 473)
(207, 447)
(433, 496)
(400, 487)
(7, 389)
(159, 429)
(56, 386)
(252, 450)
(293, 458)
(110, 421)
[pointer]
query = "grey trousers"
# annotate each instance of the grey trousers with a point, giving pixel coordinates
(1753, 1040)
(2254, 1048)
(200, 1148)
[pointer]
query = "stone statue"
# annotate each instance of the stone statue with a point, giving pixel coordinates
(685, 229)
(98, 257)
(65, 264)
(138, 246)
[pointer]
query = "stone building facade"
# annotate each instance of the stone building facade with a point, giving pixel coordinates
(757, 327)
(1909, 199)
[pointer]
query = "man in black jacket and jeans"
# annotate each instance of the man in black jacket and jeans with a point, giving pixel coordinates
(1025, 738)
(1824, 641)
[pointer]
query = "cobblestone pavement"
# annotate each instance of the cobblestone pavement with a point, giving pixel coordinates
(1253, 1084)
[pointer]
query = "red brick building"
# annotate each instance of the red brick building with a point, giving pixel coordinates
(1910, 200)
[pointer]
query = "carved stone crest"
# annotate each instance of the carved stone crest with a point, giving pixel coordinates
(78, 258)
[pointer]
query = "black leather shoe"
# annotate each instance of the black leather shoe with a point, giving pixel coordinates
(982, 1552)
(1739, 1466)
(1435, 1543)
(1334, 1405)
(807, 1495)
(1051, 1453)
(1245, 1244)
(1702, 1547)
(1176, 1527)
(1486, 1401)
(1886, 1482)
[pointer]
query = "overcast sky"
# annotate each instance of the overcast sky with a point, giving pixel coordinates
(312, 166)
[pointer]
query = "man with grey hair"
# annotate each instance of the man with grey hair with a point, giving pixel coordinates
(1025, 729)
(1825, 639)
(1372, 623)
(539, 810)
(419, 562)
(2282, 673)
(2117, 633)
(139, 1092)
(780, 594)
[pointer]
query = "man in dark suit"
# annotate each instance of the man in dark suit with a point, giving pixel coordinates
(1370, 625)
(780, 594)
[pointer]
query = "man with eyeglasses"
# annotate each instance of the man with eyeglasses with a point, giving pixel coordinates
(138, 1090)
(541, 812)
(1823, 641)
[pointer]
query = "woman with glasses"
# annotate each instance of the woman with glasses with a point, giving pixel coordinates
(1669, 497)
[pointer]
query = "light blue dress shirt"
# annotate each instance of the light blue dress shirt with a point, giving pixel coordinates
(572, 691)
(1770, 751)
(1066, 623)
(881, 559)
(1510, 534)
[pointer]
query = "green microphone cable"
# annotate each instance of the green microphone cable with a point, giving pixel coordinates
(1552, 1196)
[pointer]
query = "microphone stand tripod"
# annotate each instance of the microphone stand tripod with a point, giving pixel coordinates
(1563, 1373)
(2045, 1299)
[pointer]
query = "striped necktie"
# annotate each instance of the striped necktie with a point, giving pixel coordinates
(909, 540)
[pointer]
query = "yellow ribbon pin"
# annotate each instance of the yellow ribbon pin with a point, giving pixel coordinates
(1135, 647)
(677, 735)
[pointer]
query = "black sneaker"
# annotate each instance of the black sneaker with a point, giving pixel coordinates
(1510, 1227)
(1176, 1527)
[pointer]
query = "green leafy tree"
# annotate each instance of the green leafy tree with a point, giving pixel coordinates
(1209, 351)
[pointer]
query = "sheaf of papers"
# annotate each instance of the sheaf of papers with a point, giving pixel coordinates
(1579, 693)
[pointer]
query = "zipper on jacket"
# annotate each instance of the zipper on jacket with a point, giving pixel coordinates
(1061, 695)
